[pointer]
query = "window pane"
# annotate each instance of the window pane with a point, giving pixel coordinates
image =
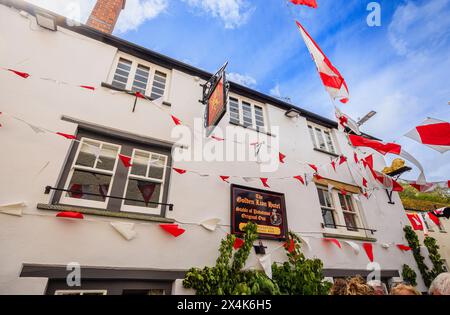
(247, 113)
(234, 111)
(140, 163)
(313, 138)
(108, 156)
(144, 191)
(259, 117)
(121, 75)
(329, 142)
(159, 85)
(141, 79)
(350, 221)
(83, 182)
(343, 202)
(320, 139)
(328, 218)
(86, 156)
(157, 166)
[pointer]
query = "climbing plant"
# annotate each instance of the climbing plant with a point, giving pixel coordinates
(227, 276)
(300, 276)
(435, 257)
(413, 242)
(409, 275)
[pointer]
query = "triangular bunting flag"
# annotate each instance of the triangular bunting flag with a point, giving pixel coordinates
(281, 157)
(172, 229)
(176, 120)
(369, 250)
(70, 215)
(266, 264)
(126, 160)
(403, 247)
(308, 3)
(225, 178)
(125, 229)
(179, 170)
(210, 224)
(264, 182)
(300, 179)
(13, 208)
(67, 136)
(238, 243)
(353, 245)
(20, 74)
(334, 241)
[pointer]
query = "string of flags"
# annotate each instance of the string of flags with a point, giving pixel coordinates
(128, 232)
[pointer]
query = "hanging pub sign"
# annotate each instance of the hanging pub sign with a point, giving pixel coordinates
(215, 96)
(264, 208)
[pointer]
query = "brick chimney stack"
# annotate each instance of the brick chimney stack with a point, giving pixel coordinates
(105, 14)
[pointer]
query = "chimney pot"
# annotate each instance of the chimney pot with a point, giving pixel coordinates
(105, 14)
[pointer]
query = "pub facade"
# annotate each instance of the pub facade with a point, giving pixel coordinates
(92, 100)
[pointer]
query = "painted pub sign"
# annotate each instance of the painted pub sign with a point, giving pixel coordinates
(264, 208)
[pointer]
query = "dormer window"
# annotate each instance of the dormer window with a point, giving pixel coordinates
(321, 138)
(247, 114)
(139, 76)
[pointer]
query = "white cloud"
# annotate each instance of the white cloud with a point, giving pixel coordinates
(275, 91)
(242, 79)
(78, 10)
(413, 25)
(233, 13)
(135, 14)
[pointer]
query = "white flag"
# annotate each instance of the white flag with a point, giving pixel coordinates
(125, 229)
(210, 224)
(266, 264)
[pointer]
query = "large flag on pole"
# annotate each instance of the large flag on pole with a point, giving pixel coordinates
(433, 133)
(309, 3)
(331, 78)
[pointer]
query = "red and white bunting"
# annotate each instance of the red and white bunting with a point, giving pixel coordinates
(433, 133)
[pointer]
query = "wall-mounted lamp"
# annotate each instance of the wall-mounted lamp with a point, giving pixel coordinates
(46, 21)
(292, 113)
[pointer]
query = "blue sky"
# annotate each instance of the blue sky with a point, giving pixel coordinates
(400, 69)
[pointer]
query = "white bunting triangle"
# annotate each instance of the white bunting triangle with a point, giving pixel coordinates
(353, 245)
(266, 264)
(306, 241)
(330, 188)
(13, 208)
(125, 229)
(210, 224)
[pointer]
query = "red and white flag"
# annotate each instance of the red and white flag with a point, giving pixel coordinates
(331, 77)
(415, 220)
(346, 121)
(309, 3)
(433, 133)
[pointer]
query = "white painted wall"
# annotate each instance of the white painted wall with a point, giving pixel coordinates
(39, 237)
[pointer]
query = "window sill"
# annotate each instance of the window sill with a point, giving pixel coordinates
(251, 128)
(326, 152)
(105, 213)
(109, 86)
(350, 237)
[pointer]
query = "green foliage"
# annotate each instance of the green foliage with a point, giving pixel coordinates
(413, 199)
(227, 277)
(435, 257)
(413, 242)
(300, 276)
(409, 275)
(297, 276)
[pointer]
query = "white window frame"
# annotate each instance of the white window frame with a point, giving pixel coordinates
(315, 140)
(146, 210)
(135, 62)
(252, 108)
(80, 292)
(339, 216)
(83, 202)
